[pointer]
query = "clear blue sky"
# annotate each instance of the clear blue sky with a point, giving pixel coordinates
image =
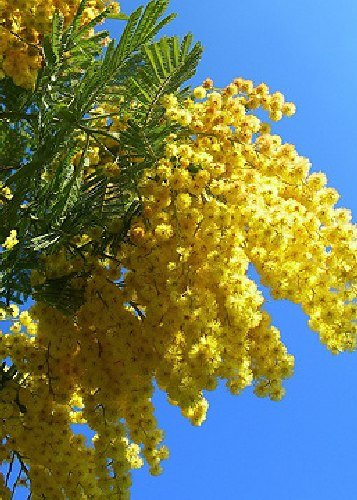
(305, 447)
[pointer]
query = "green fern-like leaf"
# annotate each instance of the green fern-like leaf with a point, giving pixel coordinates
(167, 65)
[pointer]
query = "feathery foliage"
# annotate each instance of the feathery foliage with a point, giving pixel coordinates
(52, 199)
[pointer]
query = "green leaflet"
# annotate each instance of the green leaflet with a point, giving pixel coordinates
(119, 17)
(56, 35)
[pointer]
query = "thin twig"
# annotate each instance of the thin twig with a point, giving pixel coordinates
(10, 469)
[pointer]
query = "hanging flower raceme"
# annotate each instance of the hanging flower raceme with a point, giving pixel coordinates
(226, 194)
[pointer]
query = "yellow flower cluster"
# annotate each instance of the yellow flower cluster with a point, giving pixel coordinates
(11, 240)
(24, 22)
(5, 194)
(176, 305)
(95, 368)
(303, 247)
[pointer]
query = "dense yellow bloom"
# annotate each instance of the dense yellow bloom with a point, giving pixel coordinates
(11, 240)
(226, 193)
(24, 22)
(5, 193)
